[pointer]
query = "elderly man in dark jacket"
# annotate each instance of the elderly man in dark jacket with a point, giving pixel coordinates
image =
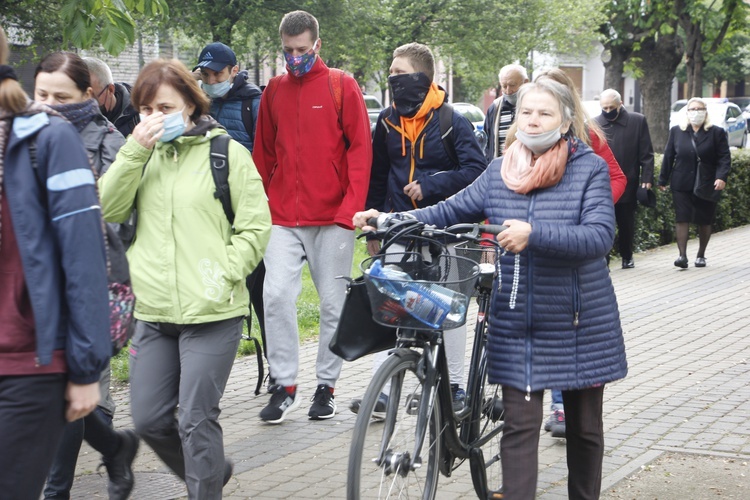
(628, 137)
(114, 98)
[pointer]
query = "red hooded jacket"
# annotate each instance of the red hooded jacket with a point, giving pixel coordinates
(311, 177)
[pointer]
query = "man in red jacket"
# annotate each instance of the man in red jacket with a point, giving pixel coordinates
(313, 151)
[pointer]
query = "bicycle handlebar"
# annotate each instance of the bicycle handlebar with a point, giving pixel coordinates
(406, 225)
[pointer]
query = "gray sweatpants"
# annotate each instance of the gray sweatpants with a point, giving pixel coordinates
(329, 251)
(186, 366)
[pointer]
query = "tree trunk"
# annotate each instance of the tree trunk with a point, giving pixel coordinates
(659, 58)
(615, 67)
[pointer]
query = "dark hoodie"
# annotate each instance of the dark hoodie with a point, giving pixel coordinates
(237, 111)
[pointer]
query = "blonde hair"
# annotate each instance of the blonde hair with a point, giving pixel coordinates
(12, 97)
(685, 123)
(566, 98)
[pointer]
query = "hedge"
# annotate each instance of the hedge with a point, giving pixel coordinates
(655, 227)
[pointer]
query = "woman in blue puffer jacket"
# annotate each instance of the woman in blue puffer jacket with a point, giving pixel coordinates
(554, 320)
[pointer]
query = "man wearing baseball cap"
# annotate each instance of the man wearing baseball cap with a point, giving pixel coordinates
(234, 104)
(234, 100)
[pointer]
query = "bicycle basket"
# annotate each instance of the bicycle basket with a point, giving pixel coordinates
(479, 253)
(408, 291)
(485, 255)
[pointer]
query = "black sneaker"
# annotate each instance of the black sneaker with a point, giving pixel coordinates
(323, 406)
(119, 466)
(459, 398)
(378, 414)
(280, 405)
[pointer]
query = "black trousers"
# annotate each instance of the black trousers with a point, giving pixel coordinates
(32, 418)
(520, 442)
(625, 218)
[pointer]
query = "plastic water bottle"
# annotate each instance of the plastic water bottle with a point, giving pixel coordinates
(430, 303)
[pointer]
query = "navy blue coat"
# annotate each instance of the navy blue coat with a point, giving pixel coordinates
(58, 226)
(564, 331)
(394, 166)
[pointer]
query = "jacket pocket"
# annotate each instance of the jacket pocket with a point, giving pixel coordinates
(576, 298)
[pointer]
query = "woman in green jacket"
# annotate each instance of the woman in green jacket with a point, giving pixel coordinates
(188, 265)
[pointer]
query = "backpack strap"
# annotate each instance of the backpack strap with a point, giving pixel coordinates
(335, 85)
(220, 172)
(445, 118)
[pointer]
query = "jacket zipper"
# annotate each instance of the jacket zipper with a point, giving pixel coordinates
(576, 298)
(529, 305)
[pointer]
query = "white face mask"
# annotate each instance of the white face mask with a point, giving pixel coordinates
(696, 117)
(539, 143)
(512, 98)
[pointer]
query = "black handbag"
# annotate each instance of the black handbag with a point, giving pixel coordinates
(703, 187)
(357, 334)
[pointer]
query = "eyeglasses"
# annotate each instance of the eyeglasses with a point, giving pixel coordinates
(697, 109)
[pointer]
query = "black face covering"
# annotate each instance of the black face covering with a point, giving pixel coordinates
(409, 91)
(611, 115)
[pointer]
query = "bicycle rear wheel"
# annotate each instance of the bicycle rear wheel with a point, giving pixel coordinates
(486, 466)
(381, 458)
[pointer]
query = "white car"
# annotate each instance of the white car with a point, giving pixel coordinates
(374, 107)
(471, 112)
(723, 114)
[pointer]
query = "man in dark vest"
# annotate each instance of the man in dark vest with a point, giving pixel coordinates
(234, 104)
(628, 137)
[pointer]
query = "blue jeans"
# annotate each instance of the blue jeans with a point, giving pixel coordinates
(557, 400)
(96, 428)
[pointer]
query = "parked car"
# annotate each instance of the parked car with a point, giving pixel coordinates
(724, 114)
(675, 110)
(374, 107)
(744, 104)
(471, 112)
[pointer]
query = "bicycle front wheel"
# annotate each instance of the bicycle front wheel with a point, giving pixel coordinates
(486, 467)
(382, 461)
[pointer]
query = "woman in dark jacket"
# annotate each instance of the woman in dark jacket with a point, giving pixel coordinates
(63, 83)
(694, 138)
(54, 314)
(554, 319)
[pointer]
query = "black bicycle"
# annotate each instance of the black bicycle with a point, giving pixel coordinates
(407, 432)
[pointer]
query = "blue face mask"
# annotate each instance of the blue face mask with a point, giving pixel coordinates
(300, 65)
(215, 90)
(174, 126)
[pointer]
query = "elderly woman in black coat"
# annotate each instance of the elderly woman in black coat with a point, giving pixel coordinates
(695, 141)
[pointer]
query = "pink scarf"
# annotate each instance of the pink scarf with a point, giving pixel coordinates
(522, 174)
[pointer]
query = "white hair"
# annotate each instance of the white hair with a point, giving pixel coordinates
(611, 93)
(100, 70)
(513, 68)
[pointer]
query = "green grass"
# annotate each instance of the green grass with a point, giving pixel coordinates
(308, 317)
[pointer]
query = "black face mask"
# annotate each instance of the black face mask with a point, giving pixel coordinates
(611, 115)
(409, 91)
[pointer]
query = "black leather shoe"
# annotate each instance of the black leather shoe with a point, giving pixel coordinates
(700, 262)
(119, 466)
(628, 264)
(681, 262)
(228, 470)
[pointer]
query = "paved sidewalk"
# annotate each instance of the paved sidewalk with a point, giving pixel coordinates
(687, 334)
